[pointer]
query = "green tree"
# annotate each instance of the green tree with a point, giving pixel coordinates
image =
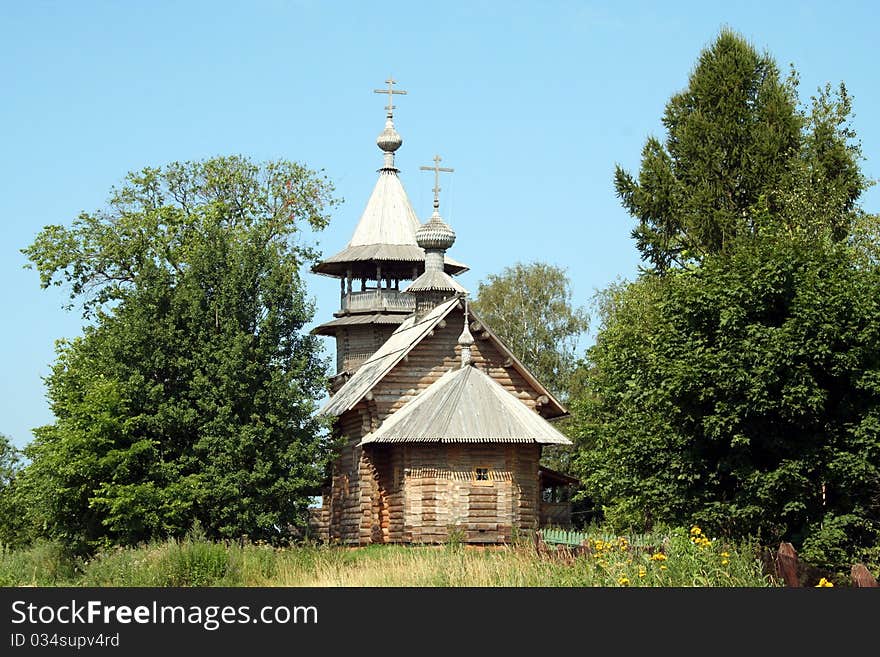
(12, 521)
(9, 461)
(739, 147)
(529, 306)
(734, 383)
(743, 395)
(191, 395)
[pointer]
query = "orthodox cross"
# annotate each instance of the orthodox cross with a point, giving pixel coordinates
(437, 169)
(390, 91)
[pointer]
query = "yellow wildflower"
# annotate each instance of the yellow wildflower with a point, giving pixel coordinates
(823, 583)
(642, 571)
(658, 556)
(662, 567)
(724, 562)
(696, 531)
(623, 581)
(725, 554)
(701, 541)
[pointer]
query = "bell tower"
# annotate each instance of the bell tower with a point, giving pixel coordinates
(382, 254)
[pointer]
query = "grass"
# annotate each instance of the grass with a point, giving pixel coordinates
(674, 557)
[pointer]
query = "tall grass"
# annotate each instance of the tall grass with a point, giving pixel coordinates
(665, 558)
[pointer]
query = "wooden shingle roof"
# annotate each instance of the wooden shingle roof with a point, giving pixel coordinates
(466, 405)
(371, 371)
(401, 342)
(329, 328)
(386, 231)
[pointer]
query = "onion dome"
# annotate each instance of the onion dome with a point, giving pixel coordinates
(466, 339)
(435, 234)
(389, 140)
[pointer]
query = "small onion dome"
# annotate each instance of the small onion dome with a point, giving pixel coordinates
(436, 234)
(389, 141)
(465, 339)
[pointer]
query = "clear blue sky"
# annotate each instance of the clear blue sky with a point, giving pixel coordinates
(532, 103)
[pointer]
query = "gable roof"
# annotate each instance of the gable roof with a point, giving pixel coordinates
(401, 342)
(466, 405)
(372, 370)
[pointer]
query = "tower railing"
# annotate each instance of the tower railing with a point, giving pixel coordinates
(377, 300)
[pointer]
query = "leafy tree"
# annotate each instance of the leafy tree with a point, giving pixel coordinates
(734, 383)
(190, 396)
(9, 461)
(743, 395)
(529, 306)
(738, 147)
(12, 521)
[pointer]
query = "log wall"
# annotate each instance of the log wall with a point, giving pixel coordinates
(417, 493)
(355, 343)
(344, 501)
(421, 493)
(435, 355)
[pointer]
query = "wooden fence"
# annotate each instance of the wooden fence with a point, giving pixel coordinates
(790, 570)
(562, 537)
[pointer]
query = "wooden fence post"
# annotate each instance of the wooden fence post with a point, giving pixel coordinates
(540, 545)
(862, 577)
(787, 565)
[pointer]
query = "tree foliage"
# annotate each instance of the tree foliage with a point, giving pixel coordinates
(737, 147)
(190, 396)
(13, 525)
(529, 306)
(743, 395)
(736, 382)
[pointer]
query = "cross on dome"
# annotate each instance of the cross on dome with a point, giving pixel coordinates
(437, 169)
(390, 107)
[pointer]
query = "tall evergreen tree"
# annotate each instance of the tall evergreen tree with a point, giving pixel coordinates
(738, 147)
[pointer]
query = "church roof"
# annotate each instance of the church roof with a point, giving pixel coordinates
(371, 371)
(389, 217)
(401, 342)
(355, 320)
(435, 280)
(337, 264)
(387, 228)
(466, 405)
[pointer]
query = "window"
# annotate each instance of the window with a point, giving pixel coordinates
(482, 476)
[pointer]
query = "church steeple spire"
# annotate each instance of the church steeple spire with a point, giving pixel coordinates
(381, 256)
(435, 237)
(389, 140)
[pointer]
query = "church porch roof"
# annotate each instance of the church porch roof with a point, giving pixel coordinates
(466, 405)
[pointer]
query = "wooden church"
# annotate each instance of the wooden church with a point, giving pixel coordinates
(443, 427)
